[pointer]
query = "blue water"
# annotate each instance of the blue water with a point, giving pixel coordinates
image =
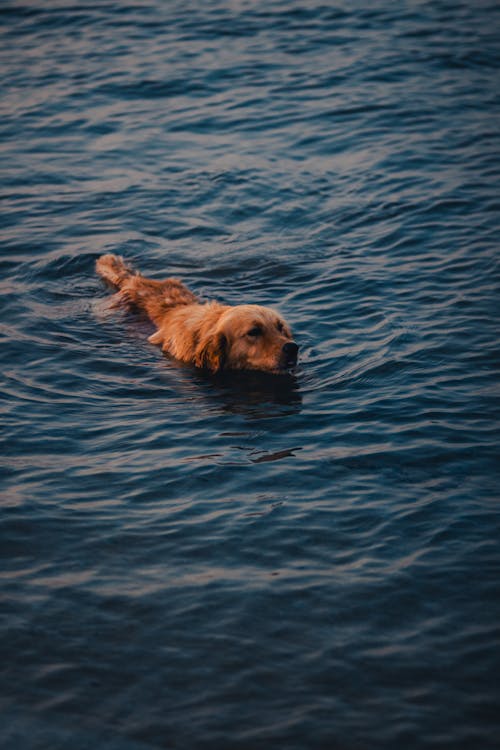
(247, 562)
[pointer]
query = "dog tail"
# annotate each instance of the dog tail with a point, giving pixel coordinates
(113, 269)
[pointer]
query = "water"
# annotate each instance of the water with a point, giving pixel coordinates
(247, 562)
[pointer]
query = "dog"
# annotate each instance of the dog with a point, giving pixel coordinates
(208, 335)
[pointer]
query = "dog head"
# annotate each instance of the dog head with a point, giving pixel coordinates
(250, 337)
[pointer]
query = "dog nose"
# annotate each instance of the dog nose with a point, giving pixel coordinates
(290, 351)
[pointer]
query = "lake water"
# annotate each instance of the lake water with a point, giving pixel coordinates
(247, 562)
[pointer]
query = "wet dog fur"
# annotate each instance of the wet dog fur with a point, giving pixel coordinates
(209, 335)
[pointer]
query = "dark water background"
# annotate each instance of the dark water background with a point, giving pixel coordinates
(299, 563)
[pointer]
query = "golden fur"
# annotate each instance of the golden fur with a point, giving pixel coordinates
(210, 335)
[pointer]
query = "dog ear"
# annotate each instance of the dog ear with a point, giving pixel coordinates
(211, 353)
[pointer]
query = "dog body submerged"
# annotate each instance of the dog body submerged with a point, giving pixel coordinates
(209, 335)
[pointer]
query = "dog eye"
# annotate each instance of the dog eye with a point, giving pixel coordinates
(279, 326)
(255, 331)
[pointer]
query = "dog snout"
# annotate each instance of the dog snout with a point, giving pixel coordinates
(290, 351)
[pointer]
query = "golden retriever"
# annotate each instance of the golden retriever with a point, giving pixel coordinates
(210, 335)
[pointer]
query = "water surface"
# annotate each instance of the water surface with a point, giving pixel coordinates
(308, 562)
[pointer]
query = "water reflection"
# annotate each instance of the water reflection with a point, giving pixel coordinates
(257, 395)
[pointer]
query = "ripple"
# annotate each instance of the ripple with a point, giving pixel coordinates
(243, 560)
